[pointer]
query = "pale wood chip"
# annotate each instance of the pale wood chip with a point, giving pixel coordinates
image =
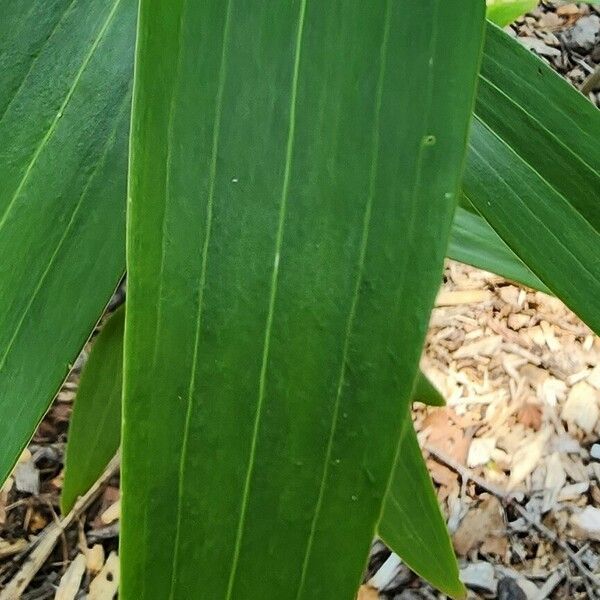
(71, 580)
(486, 346)
(95, 559)
(112, 513)
(106, 584)
(461, 297)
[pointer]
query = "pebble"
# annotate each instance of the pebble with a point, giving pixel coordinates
(595, 452)
(584, 33)
(508, 589)
(479, 575)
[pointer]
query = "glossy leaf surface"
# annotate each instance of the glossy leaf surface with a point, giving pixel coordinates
(293, 177)
(65, 77)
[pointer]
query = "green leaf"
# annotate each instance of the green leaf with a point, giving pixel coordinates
(65, 71)
(412, 524)
(533, 171)
(95, 425)
(425, 391)
(474, 242)
(503, 12)
(293, 178)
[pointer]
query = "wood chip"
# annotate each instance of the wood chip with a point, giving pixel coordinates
(106, 584)
(480, 523)
(366, 592)
(527, 458)
(587, 523)
(112, 513)
(27, 477)
(461, 297)
(480, 451)
(486, 346)
(71, 580)
(95, 559)
(594, 377)
(581, 408)
(567, 10)
(555, 480)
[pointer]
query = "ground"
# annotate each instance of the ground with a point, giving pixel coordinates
(513, 454)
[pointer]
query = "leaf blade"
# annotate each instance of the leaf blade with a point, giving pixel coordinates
(64, 103)
(551, 222)
(412, 524)
(95, 424)
(425, 391)
(473, 241)
(298, 297)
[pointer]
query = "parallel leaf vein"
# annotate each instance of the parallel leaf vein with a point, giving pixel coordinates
(37, 57)
(272, 298)
(108, 144)
(49, 133)
(201, 287)
(354, 301)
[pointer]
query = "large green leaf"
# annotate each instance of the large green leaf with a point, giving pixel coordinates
(293, 177)
(474, 242)
(412, 523)
(65, 70)
(533, 171)
(95, 425)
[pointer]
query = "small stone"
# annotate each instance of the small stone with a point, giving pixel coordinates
(595, 452)
(587, 523)
(581, 407)
(584, 33)
(480, 576)
(508, 589)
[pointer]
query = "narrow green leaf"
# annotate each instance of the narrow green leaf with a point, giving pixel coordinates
(425, 391)
(95, 425)
(474, 242)
(503, 12)
(412, 524)
(65, 70)
(533, 171)
(293, 178)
